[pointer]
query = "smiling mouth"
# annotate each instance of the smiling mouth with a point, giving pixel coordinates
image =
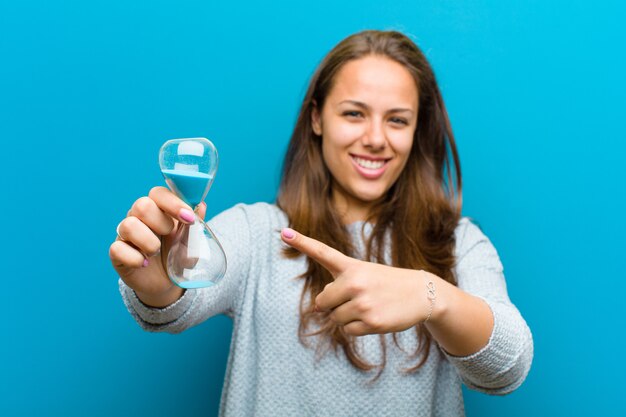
(368, 163)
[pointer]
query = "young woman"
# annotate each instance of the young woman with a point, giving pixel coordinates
(362, 291)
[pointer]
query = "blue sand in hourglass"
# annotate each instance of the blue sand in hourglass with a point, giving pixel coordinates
(191, 285)
(189, 185)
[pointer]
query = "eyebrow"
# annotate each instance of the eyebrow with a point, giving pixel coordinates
(366, 107)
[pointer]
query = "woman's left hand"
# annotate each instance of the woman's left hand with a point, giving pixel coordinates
(366, 297)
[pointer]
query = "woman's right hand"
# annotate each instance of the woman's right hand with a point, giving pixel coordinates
(139, 252)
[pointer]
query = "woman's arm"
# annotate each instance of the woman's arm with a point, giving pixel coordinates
(460, 322)
(194, 306)
(476, 325)
(494, 361)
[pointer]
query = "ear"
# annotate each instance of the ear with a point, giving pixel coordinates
(316, 120)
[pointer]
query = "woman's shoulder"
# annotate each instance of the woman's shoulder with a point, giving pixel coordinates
(473, 247)
(468, 233)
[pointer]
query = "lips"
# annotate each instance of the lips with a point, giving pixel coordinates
(369, 167)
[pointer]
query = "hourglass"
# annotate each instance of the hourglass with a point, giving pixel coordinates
(196, 258)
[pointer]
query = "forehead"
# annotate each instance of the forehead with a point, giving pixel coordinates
(375, 80)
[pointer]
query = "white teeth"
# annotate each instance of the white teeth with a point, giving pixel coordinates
(365, 163)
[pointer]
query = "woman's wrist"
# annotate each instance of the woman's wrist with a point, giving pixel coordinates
(460, 323)
(436, 294)
(161, 300)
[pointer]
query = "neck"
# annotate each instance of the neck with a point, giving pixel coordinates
(350, 209)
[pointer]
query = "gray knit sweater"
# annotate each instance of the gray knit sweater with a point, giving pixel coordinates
(270, 373)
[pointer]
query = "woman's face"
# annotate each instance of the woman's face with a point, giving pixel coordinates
(367, 125)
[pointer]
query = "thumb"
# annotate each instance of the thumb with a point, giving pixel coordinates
(202, 210)
(331, 259)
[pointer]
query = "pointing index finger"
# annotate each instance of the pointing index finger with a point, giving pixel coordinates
(331, 259)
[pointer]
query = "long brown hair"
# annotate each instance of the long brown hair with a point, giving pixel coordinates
(419, 213)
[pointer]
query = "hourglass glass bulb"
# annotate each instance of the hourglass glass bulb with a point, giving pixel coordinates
(195, 257)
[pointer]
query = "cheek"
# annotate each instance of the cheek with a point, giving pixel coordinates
(402, 143)
(336, 142)
(332, 152)
(342, 135)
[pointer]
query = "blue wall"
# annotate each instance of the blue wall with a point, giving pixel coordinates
(90, 90)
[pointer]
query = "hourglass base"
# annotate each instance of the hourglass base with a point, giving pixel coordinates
(190, 285)
(195, 259)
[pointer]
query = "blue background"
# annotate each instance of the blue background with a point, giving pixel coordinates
(90, 90)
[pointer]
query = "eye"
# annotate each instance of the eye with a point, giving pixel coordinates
(353, 113)
(399, 121)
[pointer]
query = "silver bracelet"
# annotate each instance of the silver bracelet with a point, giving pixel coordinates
(432, 296)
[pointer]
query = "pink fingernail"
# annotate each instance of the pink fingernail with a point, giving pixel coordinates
(186, 215)
(145, 263)
(289, 233)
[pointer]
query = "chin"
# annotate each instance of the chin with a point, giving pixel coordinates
(369, 196)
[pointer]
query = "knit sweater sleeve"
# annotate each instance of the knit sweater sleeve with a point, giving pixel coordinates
(502, 364)
(231, 228)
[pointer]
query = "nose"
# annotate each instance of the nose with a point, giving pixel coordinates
(374, 137)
